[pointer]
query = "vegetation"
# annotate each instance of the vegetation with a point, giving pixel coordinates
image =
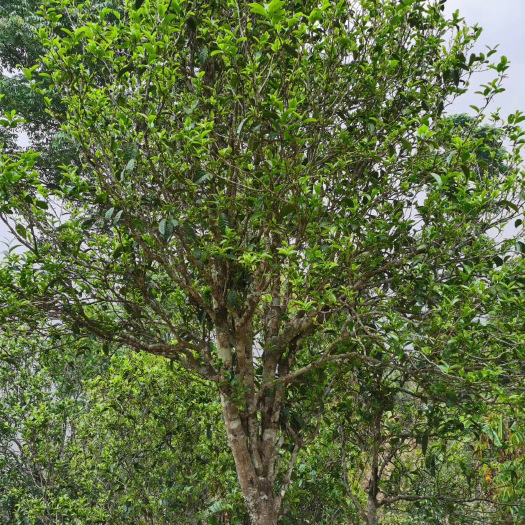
(269, 203)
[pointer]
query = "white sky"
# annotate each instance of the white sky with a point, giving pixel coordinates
(503, 23)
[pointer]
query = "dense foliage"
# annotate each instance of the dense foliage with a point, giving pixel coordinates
(88, 439)
(272, 198)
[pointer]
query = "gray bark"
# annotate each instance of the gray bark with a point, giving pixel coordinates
(262, 504)
(262, 508)
(371, 511)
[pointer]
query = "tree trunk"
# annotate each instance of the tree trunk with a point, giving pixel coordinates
(263, 509)
(262, 504)
(371, 511)
(373, 487)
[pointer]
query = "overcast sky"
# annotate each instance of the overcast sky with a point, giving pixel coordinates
(503, 23)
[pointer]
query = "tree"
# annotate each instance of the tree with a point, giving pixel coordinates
(41, 398)
(18, 42)
(438, 450)
(20, 49)
(71, 415)
(259, 198)
(180, 470)
(409, 454)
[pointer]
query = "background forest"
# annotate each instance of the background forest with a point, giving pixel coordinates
(239, 224)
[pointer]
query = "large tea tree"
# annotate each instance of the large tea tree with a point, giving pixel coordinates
(264, 193)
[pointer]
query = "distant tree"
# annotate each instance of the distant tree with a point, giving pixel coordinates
(20, 49)
(41, 399)
(416, 456)
(258, 197)
(70, 418)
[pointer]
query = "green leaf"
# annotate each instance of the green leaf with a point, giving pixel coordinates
(109, 214)
(224, 222)
(201, 176)
(191, 23)
(86, 224)
(275, 6)
(166, 228)
(117, 217)
(406, 144)
(286, 209)
(497, 260)
(258, 9)
(437, 178)
(203, 56)
(233, 298)
(118, 251)
(127, 69)
(315, 16)
(21, 230)
(422, 130)
(509, 205)
(492, 434)
(240, 126)
(130, 165)
(189, 231)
